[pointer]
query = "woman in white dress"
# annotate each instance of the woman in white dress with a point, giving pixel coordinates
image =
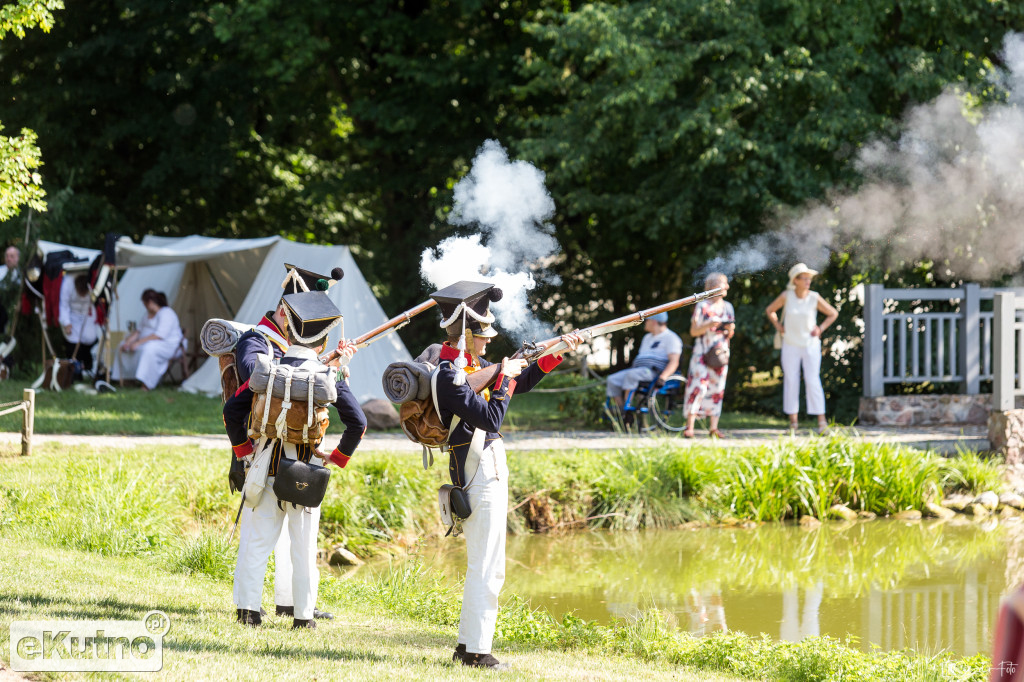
(148, 350)
(801, 343)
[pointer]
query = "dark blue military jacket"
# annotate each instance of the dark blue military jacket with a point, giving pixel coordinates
(253, 343)
(238, 415)
(474, 410)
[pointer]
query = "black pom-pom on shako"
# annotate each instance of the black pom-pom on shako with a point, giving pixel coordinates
(337, 274)
(495, 294)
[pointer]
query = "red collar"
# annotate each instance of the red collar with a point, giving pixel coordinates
(270, 330)
(449, 353)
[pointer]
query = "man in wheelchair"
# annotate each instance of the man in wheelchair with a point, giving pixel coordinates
(657, 360)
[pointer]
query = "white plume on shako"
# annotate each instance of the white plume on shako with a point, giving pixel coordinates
(950, 189)
(508, 204)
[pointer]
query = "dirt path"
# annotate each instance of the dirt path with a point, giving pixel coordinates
(944, 439)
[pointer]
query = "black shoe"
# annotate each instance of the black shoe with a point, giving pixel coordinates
(460, 651)
(298, 623)
(481, 661)
(249, 618)
(290, 611)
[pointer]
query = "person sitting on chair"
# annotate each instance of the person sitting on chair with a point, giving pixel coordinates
(77, 318)
(148, 350)
(658, 359)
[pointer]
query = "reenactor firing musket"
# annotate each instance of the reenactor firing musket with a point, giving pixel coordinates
(378, 333)
(532, 351)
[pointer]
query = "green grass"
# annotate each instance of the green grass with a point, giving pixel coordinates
(130, 411)
(168, 411)
(114, 534)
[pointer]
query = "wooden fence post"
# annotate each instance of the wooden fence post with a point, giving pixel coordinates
(874, 351)
(1003, 360)
(28, 419)
(970, 342)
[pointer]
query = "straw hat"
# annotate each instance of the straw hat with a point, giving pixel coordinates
(800, 269)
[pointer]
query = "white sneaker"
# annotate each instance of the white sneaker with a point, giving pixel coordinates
(102, 386)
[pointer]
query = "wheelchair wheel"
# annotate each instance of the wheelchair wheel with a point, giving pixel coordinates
(666, 404)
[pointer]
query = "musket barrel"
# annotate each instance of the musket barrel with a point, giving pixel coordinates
(481, 379)
(395, 321)
(554, 345)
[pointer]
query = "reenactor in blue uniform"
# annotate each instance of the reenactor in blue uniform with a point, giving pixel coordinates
(477, 455)
(253, 550)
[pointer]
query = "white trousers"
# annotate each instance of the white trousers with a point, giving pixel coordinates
(268, 521)
(808, 360)
(282, 559)
(485, 543)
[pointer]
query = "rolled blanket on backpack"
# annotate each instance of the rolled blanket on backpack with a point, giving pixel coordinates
(430, 355)
(220, 336)
(323, 379)
(405, 381)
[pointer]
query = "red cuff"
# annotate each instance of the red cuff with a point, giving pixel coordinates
(242, 387)
(549, 362)
(337, 458)
(243, 449)
(511, 384)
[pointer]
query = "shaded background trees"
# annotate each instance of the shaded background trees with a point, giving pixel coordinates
(668, 130)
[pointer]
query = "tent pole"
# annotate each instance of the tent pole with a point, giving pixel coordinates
(220, 292)
(112, 355)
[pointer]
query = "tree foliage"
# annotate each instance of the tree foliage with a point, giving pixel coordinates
(20, 181)
(669, 129)
(678, 128)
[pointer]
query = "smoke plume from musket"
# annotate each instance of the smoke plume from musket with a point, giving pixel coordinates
(507, 203)
(950, 189)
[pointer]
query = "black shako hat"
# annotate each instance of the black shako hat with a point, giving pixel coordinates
(471, 300)
(311, 315)
(299, 280)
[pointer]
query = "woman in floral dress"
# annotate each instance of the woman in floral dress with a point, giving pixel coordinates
(714, 322)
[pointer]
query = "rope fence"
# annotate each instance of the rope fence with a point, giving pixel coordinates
(27, 405)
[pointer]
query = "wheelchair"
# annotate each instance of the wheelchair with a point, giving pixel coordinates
(649, 406)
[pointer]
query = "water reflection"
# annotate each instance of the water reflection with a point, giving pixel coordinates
(795, 626)
(930, 586)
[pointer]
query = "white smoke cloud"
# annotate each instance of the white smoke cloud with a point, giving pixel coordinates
(509, 205)
(951, 190)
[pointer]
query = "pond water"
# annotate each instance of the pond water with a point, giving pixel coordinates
(928, 586)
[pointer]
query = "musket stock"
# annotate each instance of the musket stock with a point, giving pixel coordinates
(482, 378)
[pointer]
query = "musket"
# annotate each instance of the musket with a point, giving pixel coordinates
(378, 333)
(533, 351)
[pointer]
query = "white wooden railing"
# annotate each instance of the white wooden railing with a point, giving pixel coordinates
(947, 336)
(1008, 350)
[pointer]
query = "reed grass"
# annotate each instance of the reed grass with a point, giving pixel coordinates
(663, 486)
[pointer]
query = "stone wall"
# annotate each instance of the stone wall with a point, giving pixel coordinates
(927, 410)
(1006, 434)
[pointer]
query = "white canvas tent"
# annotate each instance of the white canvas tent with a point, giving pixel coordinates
(240, 279)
